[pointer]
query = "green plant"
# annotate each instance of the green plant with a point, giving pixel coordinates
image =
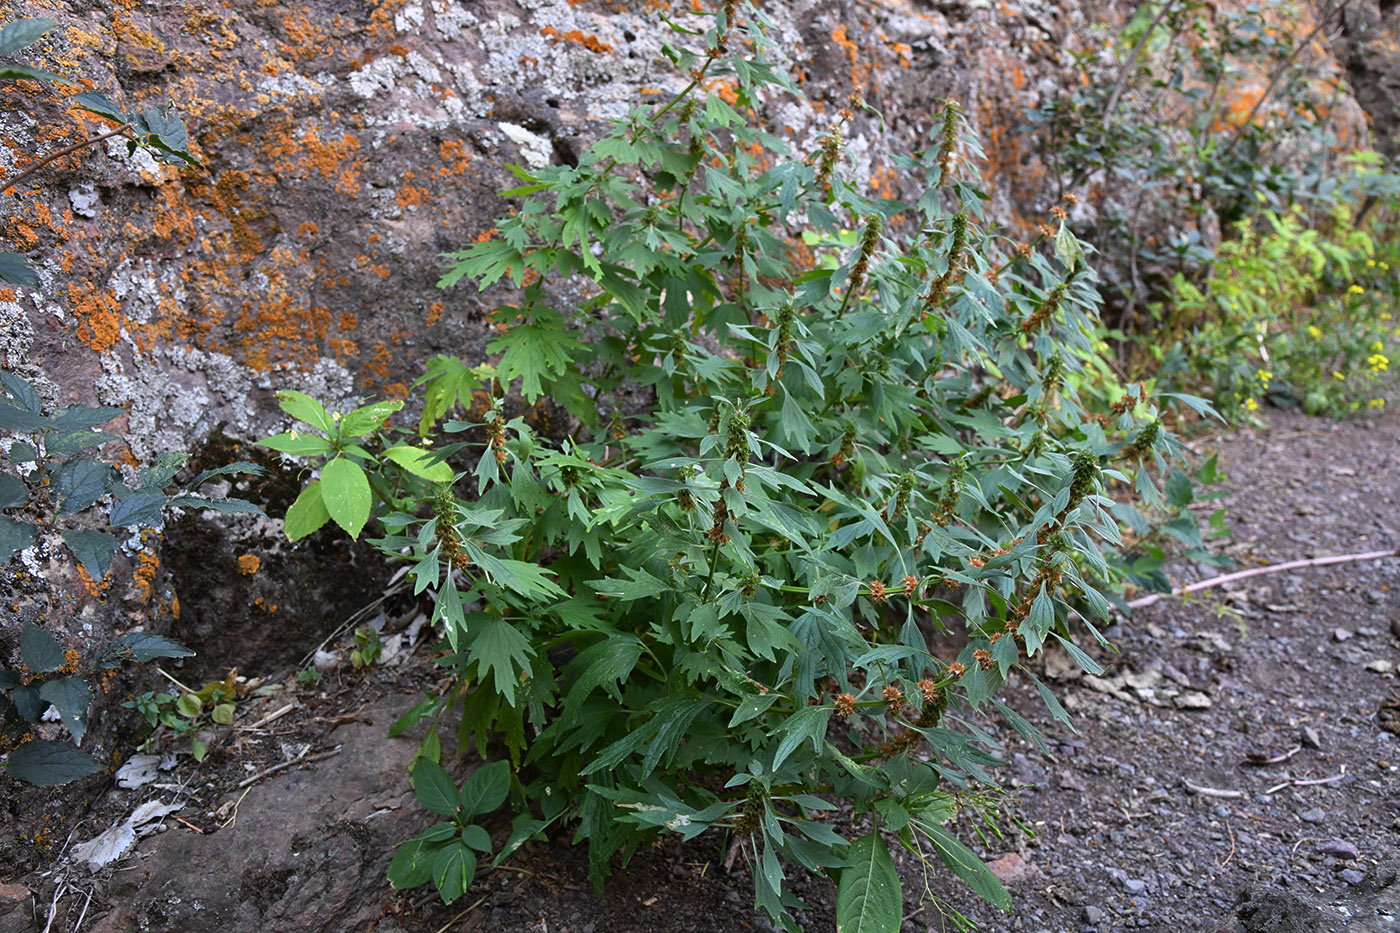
(806, 429)
(367, 649)
(57, 478)
(1301, 309)
(446, 853)
(183, 713)
(157, 130)
(47, 677)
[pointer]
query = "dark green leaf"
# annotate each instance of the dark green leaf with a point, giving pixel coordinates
(967, 865)
(67, 443)
(48, 763)
(869, 898)
(142, 509)
(807, 724)
(23, 33)
(454, 867)
(222, 506)
(80, 482)
(238, 466)
(71, 697)
(413, 863)
(94, 550)
(80, 417)
(13, 491)
(15, 418)
(140, 647)
(39, 650)
(16, 270)
(14, 536)
(162, 470)
(93, 102)
(485, 790)
(434, 787)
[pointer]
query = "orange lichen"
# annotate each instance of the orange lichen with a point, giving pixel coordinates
(248, 564)
(592, 43)
(840, 37)
(435, 312)
(411, 197)
(99, 314)
(147, 565)
(348, 321)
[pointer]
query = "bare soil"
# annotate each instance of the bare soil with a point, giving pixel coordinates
(1236, 769)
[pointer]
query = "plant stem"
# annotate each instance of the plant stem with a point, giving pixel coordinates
(68, 150)
(1257, 571)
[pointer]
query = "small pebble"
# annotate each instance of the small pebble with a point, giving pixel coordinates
(1340, 848)
(1340, 634)
(1353, 877)
(1310, 738)
(1315, 815)
(1134, 886)
(1093, 914)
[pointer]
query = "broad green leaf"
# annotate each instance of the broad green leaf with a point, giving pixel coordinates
(307, 513)
(14, 536)
(13, 491)
(222, 506)
(454, 867)
(966, 865)
(534, 353)
(297, 443)
(485, 790)
(67, 443)
(26, 73)
(346, 494)
(868, 897)
(477, 838)
(50, 763)
(93, 102)
(16, 270)
(15, 418)
(94, 550)
(39, 650)
(367, 418)
(23, 33)
(80, 482)
(435, 787)
(24, 393)
(71, 697)
(1089, 665)
(142, 509)
(413, 863)
(419, 462)
(140, 647)
(306, 409)
(238, 466)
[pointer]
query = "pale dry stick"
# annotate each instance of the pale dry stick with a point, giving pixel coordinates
(1294, 782)
(300, 759)
(1276, 760)
(443, 928)
(233, 817)
(79, 925)
(270, 717)
(53, 905)
(1232, 844)
(1213, 791)
(1257, 571)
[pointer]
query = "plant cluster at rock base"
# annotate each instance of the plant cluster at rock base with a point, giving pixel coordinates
(854, 422)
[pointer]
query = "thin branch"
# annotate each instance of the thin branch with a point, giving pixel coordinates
(69, 150)
(1124, 72)
(1257, 571)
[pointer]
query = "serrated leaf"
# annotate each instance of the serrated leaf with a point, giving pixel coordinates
(141, 509)
(533, 353)
(367, 418)
(80, 482)
(21, 452)
(162, 470)
(346, 494)
(1089, 665)
(868, 897)
(420, 462)
(80, 417)
(13, 491)
(16, 270)
(140, 647)
(71, 697)
(49, 764)
(67, 443)
(238, 466)
(807, 724)
(26, 73)
(14, 536)
(94, 550)
(39, 650)
(485, 790)
(434, 787)
(222, 506)
(498, 648)
(15, 418)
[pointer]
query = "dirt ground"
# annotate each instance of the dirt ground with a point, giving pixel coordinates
(1237, 769)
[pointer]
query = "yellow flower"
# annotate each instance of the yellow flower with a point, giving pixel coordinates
(1264, 376)
(1385, 315)
(1385, 265)
(1377, 347)
(1356, 290)
(1371, 263)
(1378, 362)
(1314, 333)
(1376, 403)
(1337, 375)
(1251, 405)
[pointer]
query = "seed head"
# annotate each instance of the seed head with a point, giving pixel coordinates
(845, 705)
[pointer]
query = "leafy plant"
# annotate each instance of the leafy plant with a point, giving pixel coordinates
(807, 429)
(157, 130)
(184, 712)
(56, 477)
(368, 647)
(47, 677)
(446, 853)
(1301, 309)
